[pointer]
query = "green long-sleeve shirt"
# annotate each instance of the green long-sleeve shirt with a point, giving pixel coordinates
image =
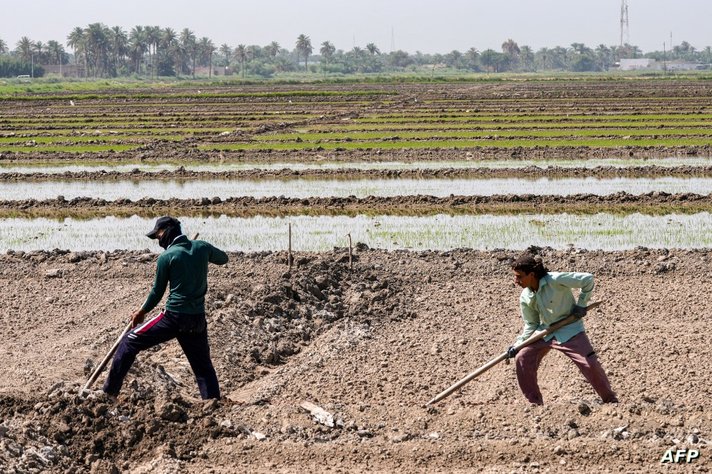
(184, 264)
(552, 302)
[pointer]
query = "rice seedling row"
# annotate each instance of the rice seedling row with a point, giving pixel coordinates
(440, 232)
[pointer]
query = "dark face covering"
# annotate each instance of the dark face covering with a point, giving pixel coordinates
(168, 236)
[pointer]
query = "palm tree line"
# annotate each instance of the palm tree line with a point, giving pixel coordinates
(152, 51)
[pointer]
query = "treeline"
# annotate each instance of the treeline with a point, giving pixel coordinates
(151, 51)
(12, 67)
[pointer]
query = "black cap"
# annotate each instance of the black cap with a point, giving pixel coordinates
(163, 223)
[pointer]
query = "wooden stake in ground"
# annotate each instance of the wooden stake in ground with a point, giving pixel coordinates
(533, 338)
(351, 252)
(289, 251)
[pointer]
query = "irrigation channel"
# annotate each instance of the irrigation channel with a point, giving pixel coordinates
(313, 187)
(59, 168)
(322, 233)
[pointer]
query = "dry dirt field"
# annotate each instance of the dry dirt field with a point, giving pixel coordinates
(370, 345)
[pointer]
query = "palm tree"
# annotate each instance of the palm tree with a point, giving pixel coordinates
(272, 49)
(472, 57)
(510, 48)
(25, 49)
(97, 44)
(169, 44)
(153, 38)
(56, 54)
(706, 54)
(137, 46)
(304, 48)
(188, 45)
(491, 59)
(206, 49)
(604, 56)
(77, 42)
(327, 51)
(453, 59)
(241, 55)
(526, 56)
(226, 51)
(118, 47)
(39, 49)
(373, 49)
(253, 52)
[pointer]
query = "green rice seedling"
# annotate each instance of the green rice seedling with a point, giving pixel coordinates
(455, 144)
(321, 233)
(69, 149)
(424, 135)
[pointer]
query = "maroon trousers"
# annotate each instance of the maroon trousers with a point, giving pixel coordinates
(579, 350)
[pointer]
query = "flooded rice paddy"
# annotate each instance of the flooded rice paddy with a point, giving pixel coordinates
(319, 187)
(364, 165)
(321, 233)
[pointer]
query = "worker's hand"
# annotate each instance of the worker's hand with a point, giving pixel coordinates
(137, 317)
(511, 352)
(579, 311)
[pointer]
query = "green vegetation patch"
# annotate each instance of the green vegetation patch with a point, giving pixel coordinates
(90, 138)
(485, 134)
(69, 149)
(27, 94)
(439, 144)
(501, 125)
(514, 117)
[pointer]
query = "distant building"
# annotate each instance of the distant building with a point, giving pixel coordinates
(638, 64)
(685, 66)
(66, 70)
(647, 64)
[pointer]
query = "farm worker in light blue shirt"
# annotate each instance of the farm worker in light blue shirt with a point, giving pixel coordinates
(546, 299)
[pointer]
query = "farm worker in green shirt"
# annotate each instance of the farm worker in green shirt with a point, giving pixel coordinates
(546, 299)
(183, 269)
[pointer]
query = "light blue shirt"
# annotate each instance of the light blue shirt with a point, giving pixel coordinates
(552, 302)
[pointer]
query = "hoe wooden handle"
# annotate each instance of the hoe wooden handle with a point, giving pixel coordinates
(107, 358)
(481, 370)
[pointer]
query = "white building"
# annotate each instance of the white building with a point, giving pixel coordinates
(638, 64)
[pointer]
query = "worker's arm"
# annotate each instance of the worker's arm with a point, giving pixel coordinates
(584, 281)
(217, 256)
(531, 321)
(159, 285)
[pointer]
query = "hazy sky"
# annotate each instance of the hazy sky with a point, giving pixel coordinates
(417, 25)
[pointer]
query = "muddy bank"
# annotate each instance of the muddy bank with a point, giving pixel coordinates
(159, 153)
(653, 202)
(181, 173)
(369, 345)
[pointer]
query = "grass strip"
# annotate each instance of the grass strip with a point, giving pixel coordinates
(69, 149)
(440, 144)
(312, 137)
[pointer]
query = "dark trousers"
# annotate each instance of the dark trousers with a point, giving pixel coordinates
(191, 330)
(579, 350)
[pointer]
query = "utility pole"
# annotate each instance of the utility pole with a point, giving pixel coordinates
(664, 59)
(393, 40)
(625, 30)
